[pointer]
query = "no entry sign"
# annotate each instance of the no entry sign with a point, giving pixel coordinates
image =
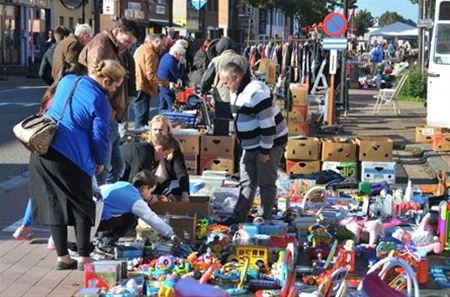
(335, 24)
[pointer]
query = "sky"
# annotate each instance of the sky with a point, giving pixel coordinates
(378, 7)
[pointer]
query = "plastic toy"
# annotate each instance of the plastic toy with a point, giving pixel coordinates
(443, 224)
(373, 284)
(258, 255)
(319, 235)
(201, 228)
(168, 286)
(346, 256)
(374, 229)
(422, 238)
(202, 262)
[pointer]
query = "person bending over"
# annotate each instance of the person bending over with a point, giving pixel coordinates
(124, 202)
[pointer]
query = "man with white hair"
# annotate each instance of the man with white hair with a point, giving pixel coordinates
(68, 50)
(170, 70)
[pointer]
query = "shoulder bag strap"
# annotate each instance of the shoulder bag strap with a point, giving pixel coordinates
(68, 98)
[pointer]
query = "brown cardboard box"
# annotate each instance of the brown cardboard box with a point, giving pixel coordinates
(299, 113)
(298, 129)
(338, 149)
(305, 148)
(441, 142)
(189, 140)
(299, 94)
(424, 134)
(302, 167)
(217, 146)
(373, 149)
(197, 206)
(191, 162)
(216, 164)
(184, 226)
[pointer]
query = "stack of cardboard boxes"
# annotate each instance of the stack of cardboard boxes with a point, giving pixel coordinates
(339, 155)
(438, 137)
(189, 140)
(375, 155)
(303, 155)
(217, 153)
(298, 114)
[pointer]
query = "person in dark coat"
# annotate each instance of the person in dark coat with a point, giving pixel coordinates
(152, 156)
(61, 180)
(45, 70)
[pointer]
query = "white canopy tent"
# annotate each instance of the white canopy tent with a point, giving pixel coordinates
(398, 29)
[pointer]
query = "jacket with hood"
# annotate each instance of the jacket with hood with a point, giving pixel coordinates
(211, 76)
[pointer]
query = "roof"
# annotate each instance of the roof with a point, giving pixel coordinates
(396, 29)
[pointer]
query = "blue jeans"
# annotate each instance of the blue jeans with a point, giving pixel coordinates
(142, 106)
(28, 215)
(166, 102)
(115, 165)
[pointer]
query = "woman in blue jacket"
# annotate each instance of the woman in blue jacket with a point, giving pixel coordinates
(170, 69)
(61, 187)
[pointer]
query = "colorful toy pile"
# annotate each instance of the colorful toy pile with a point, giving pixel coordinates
(322, 242)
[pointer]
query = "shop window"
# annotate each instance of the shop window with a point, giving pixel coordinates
(71, 27)
(61, 21)
(9, 34)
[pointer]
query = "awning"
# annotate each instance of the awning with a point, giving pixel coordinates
(160, 23)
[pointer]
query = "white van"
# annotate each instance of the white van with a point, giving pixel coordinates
(438, 97)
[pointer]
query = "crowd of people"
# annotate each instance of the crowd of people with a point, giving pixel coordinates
(93, 81)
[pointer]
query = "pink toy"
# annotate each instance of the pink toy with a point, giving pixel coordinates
(360, 228)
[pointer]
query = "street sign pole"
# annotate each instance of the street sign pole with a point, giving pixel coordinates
(333, 68)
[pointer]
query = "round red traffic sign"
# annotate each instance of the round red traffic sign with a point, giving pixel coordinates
(335, 24)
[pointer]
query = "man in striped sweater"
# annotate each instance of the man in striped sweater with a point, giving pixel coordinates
(262, 133)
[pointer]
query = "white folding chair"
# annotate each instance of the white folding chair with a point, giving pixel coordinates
(388, 96)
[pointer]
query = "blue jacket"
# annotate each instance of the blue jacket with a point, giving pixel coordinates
(82, 136)
(170, 70)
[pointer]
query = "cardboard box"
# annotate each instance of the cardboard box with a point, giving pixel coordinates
(217, 164)
(346, 169)
(378, 171)
(194, 206)
(183, 226)
(424, 134)
(191, 162)
(297, 129)
(375, 149)
(338, 149)
(299, 94)
(303, 148)
(302, 167)
(441, 142)
(298, 113)
(217, 146)
(189, 140)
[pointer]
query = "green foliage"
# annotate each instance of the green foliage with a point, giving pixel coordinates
(364, 20)
(389, 17)
(415, 87)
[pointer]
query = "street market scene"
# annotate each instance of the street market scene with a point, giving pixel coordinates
(213, 148)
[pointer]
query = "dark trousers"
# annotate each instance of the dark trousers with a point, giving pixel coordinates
(118, 226)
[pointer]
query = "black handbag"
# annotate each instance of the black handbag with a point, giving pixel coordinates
(36, 132)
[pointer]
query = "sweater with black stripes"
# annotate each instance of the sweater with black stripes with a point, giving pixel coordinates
(259, 123)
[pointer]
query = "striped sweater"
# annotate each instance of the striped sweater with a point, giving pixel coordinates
(259, 123)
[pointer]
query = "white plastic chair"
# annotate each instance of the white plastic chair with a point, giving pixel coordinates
(388, 96)
(391, 262)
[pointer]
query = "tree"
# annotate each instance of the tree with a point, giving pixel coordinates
(364, 20)
(389, 17)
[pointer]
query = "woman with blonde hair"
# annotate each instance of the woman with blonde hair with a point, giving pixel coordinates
(60, 181)
(171, 172)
